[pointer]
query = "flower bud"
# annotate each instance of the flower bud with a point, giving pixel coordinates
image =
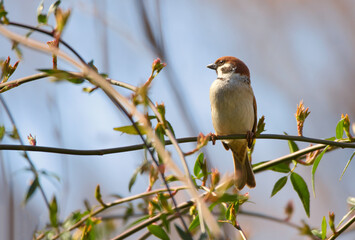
(32, 140)
(301, 115)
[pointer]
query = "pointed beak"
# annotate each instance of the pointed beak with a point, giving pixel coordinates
(212, 66)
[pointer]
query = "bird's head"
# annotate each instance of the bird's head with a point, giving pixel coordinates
(230, 67)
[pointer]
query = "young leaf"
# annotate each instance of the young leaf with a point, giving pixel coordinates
(53, 211)
(198, 164)
(41, 18)
(158, 231)
(165, 222)
(316, 233)
(314, 168)
(182, 234)
(281, 167)
(194, 223)
(346, 166)
(171, 178)
(301, 188)
(279, 185)
(61, 74)
(227, 197)
(133, 179)
(131, 129)
(339, 129)
(2, 132)
(292, 145)
(170, 127)
(324, 228)
(14, 135)
(31, 190)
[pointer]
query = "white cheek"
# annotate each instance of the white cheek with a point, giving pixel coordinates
(221, 74)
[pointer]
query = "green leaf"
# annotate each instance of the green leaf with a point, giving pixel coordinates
(42, 18)
(131, 129)
(227, 197)
(316, 233)
(198, 164)
(158, 232)
(279, 185)
(61, 74)
(324, 228)
(183, 235)
(159, 131)
(228, 213)
(171, 128)
(171, 178)
(32, 189)
(339, 129)
(292, 145)
(133, 180)
(346, 166)
(14, 135)
(2, 132)
(301, 188)
(165, 222)
(281, 167)
(194, 223)
(53, 211)
(314, 168)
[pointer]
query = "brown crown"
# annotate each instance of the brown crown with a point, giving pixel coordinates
(242, 69)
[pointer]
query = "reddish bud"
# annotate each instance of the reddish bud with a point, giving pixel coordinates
(331, 222)
(346, 126)
(215, 177)
(32, 140)
(289, 210)
(158, 65)
(301, 115)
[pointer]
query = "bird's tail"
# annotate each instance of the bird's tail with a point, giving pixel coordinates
(243, 171)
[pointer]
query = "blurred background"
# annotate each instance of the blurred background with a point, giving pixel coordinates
(295, 50)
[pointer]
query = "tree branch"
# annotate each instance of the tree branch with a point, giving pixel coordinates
(344, 144)
(343, 228)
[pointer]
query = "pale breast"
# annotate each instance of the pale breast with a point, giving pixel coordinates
(231, 106)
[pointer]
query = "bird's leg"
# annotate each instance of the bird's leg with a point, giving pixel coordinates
(213, 138)
(250, 138)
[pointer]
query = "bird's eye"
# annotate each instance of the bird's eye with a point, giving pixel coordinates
(220, 62)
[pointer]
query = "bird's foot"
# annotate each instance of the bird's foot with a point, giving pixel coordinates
(213, 138)
(250, 138)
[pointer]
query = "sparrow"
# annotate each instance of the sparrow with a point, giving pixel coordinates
(233, 110)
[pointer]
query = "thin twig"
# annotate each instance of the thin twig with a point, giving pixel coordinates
(135, 147)
(115, 203)
(342, 228)
(49, 33)
(27, 157)
(240, 230)
(149, 221)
